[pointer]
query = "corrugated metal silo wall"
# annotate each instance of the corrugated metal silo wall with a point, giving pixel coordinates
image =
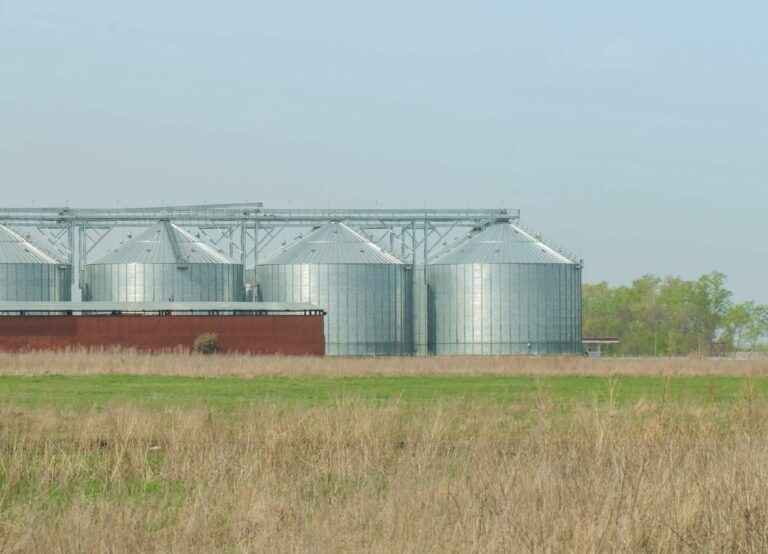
(29, 282)
(62, 285)
(505, 308)
(163, 282)
(366, 304)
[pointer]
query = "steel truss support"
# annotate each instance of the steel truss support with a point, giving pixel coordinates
(245, 231)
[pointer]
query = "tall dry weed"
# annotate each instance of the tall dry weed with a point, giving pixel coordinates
(452, 477)
(82, 362)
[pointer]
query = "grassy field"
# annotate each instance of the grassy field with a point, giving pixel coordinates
(108, 453)
(230, 393)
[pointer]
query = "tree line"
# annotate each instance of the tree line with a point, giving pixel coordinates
(671, 316)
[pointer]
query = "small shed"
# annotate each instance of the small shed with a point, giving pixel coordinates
(593, 346)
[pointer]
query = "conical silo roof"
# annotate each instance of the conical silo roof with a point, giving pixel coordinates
(334, 243)
(502, 243)
(164, 243)
(14, 249)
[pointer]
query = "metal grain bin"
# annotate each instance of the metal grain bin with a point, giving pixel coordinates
(362, 288)
(504, 292)
(165, 263)
(27, 273)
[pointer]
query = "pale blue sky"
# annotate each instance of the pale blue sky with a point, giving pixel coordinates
(632, 133)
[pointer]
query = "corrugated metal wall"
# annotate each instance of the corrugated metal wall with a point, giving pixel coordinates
(163, 282)
(29, 274)
(44, 282)
(366, 303)
(505, 308)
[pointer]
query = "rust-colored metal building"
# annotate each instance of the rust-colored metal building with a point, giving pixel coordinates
(261, 328)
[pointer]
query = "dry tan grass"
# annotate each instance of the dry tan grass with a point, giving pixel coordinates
(353, 477)
(115, 362)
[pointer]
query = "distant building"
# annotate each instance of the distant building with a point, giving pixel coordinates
(593, 346)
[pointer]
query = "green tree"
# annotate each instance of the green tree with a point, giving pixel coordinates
(745, 325)
(735, 323)
(672, 316)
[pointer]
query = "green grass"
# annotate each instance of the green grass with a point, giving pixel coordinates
(229, 393)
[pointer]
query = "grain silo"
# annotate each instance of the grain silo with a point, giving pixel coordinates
(503, 291)
(27, 273)
(164, 263)
(362, 288)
